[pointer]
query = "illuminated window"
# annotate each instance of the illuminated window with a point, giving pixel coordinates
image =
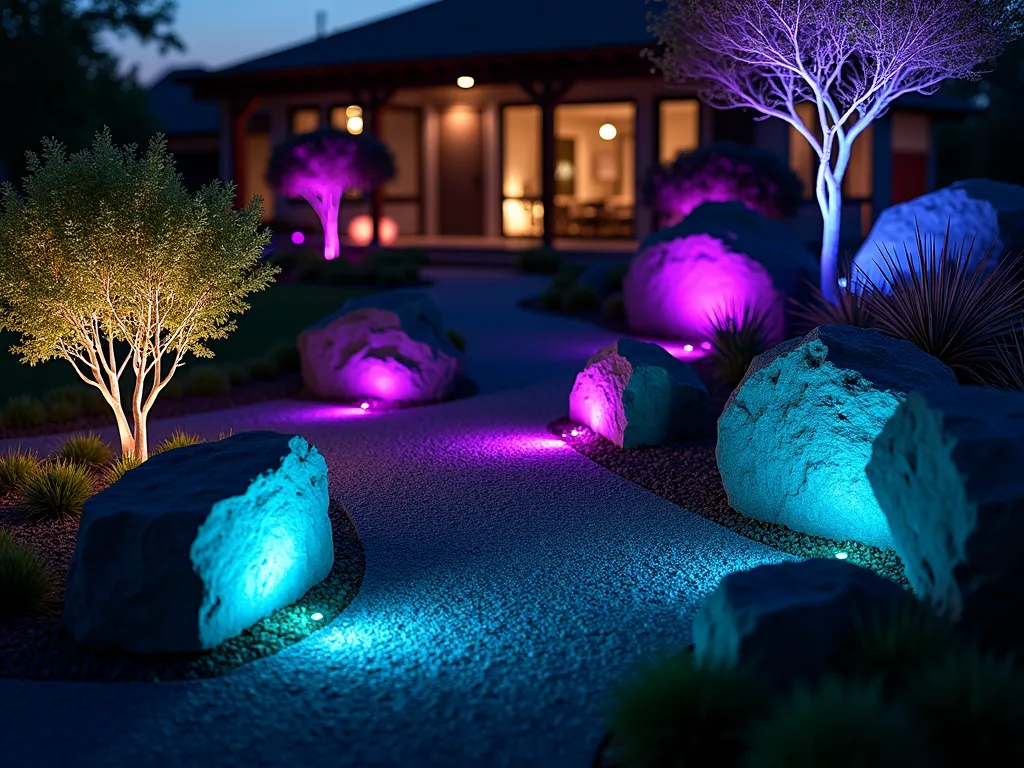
(858, 181)
(522, 212)
(678, 128)
(305, 120)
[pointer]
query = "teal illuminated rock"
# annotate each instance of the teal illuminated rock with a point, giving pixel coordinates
(199, 543)
(946, 470)
(796, 434)
(635, 394)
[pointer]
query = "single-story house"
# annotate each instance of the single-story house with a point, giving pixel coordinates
(192, 127)
(513, 123)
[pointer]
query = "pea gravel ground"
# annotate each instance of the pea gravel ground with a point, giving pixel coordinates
(510, 582)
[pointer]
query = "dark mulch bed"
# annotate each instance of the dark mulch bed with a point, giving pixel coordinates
(686, 473)
(37, 647)
(256, 392)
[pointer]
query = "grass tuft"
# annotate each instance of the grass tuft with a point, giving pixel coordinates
(88, 450)
(24, 578)
(736, 339)
(581, 298)
(118, 469)
(58, 491)
(852, 309)
(16, 468)
(178, 439)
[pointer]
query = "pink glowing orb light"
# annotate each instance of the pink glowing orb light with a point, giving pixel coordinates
(364, 406)
(298, 238)
(705, 345)
(360, 230)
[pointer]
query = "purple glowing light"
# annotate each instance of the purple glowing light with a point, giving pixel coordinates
(705, 345)
(687, 348)
(298, 238)
(364, 406)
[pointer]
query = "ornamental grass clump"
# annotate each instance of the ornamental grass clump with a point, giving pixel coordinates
(16, 468)
(838, 723)
(737, 337)
(24, 578)
(108, 262)
(118, 469)
(956, 311)
(24, 411)
(850, 308)
(58, 491)
(179, 439)
(680, 712)
(87, 450)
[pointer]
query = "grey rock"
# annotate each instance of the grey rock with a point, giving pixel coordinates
(636, 394)
(796, 434)
(989, 213)
(199, 543)
(790, 621)
(388, 346)
(946, 470)
(721, 258)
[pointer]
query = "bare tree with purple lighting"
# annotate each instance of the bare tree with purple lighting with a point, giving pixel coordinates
(850, 59)
(321, 166)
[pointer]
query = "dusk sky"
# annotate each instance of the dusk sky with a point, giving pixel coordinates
(220, 32)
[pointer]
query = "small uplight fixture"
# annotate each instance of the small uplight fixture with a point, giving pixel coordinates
(705, 345)
(298, 238)
(465, 82)
(317, 616)
(843, 282)
(365, 406)
(575, 433)
(607, 132)
(687, 348)
(841, 555)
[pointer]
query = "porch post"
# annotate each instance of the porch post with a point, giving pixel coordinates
(547, 94)
(373, 104)
(241, 111)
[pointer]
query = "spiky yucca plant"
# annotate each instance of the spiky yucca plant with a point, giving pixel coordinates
(736, 339)
(947, 307)
(1008, 371)
(851, 308)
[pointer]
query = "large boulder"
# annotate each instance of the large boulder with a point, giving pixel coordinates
(989, 213)
(791, 622)
(636, 394)
(389, 346)
(721, 259)
(796, 434)
(199, 543)
(946, 470)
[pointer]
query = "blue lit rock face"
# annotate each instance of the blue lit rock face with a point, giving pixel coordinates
(200, 543)
(389, 346)
(790, 621)
(796, 434)
(990, 213)
(946, 471)
(637, 394)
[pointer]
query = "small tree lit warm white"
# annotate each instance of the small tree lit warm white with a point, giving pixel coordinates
(321, 166)
(850, 59)
(108, 262)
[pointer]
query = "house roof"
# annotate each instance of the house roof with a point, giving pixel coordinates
(450, 29)
(172, 103)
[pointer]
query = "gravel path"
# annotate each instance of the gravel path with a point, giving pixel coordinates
(510, 582)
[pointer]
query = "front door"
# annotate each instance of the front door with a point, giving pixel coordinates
(461, 172)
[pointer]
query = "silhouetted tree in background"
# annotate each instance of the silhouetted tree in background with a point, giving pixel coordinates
(58, 80)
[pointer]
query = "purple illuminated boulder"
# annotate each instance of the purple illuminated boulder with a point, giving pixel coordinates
(390, 346)
(988, 213)
(637, 394)
(946, 470)
(721, 259)
(796, 434)
(790, 621)
(199, 543)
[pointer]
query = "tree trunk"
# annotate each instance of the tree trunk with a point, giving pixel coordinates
(332, 246)
(830, 201)
(141, 435)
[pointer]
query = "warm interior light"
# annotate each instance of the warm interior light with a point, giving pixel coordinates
(360, 230)
(354, 111)
(607, 132)
(354, 125)
(465, 82)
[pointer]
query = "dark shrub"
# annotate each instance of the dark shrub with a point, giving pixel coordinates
(581, 298)
(206, 381)
(457, 339)
(174, 389)
(719, 173)
(544, 261)
(16, 467)
(263, 369)
(58, 491)
(552, 300)
(24, 578)
(614, 308)
(566, 277)
(680, 713)
(24, 411)
(851, 309)
(88, 450)
(238, 375)
(287, 358)
(62, 411)
(736, 339)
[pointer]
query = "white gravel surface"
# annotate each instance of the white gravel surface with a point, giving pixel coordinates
(510, 583)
